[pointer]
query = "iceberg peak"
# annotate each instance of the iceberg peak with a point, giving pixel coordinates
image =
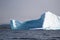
(51, 21)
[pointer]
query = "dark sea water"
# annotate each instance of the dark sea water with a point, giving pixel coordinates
(8, 34)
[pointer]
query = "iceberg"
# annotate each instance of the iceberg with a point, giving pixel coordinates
(51, 21)
(47, 21)
(27, 25)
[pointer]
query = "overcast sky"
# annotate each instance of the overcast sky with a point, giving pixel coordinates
(23, 10)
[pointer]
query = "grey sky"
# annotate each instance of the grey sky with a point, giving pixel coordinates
(23, 10)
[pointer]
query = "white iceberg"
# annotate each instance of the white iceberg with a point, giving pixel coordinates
(51, 21)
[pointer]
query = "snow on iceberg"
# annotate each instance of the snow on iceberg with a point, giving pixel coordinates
(51, 21)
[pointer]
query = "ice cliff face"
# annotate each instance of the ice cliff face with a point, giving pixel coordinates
(51, 21)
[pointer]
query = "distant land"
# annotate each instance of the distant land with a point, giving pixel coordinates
(5, 26)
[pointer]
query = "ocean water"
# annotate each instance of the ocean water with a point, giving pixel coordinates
(8, 34)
